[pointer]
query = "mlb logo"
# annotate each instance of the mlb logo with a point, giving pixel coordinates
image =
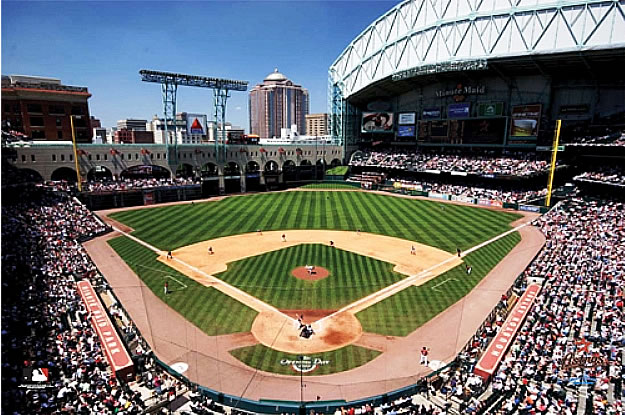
(35, 374)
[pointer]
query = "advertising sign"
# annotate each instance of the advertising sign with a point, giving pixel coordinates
(487, 365)
(406, 131)
(574, 109)
(477, 131)
(377, 122)
(196, 124)
(464, 199)
(491, 109)
(148, 198)
(459, 110)
(525, 120)
(433, 131)
(436, 195)
(431, 113)
(407, 118)
(529, 208)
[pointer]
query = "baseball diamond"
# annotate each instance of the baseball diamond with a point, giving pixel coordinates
(405, 208)
(383, 254)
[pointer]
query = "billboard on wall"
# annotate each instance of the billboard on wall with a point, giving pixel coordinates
(477, 131)
(430, 113)
(406, 131)
(196, 124)
(407, 118)
(459, 110)
(377, 122)
(525, 120)
(490, 109)
(433, 131)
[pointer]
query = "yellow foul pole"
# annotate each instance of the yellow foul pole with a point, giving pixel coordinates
(71, 117)
(554, 153)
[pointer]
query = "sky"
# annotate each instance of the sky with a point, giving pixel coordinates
(103, 45)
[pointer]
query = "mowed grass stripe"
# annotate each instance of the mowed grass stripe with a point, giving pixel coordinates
(203, 306)
(371, 208)
(268, 360)
(268, 277)
(407, 310)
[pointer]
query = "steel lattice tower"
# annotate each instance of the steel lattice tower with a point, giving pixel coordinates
(221, 92)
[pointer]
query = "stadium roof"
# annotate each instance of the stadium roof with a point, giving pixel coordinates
(432, 36)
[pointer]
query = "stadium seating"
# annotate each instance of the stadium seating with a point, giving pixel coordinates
(606, 175)
(581, 305)
(45, 324)
(485, 163)
(134, 184)
(509, 196)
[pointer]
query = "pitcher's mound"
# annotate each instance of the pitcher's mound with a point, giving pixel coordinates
(318, 273)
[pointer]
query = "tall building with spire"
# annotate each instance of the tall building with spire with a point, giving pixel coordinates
(277, 103)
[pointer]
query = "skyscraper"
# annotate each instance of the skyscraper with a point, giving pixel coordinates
(277, 103)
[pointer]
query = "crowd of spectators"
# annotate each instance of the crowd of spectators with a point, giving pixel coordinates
(45, 325)
(572, 343)
(135, 184)
(486, 163)
(604, 175)
(579, 312)
(578, 316)
(614, 139)
(474, 192)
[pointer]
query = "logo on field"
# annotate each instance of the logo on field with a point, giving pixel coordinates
(304, 365)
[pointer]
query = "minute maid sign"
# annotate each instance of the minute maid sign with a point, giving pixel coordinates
(305, 365)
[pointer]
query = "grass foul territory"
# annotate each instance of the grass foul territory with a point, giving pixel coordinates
(268, 277)
(409, 309)
(443, 226)
(207, 308)
(263, 358)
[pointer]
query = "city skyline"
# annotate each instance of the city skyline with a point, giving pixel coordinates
(122, 38)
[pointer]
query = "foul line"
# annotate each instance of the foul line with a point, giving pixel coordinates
(441, 283)
(183, 285)
(354, 307)
(220, 285)
(393, 289)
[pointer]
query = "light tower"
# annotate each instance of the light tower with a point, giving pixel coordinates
(221, 92)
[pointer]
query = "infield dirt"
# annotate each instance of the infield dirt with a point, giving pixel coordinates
(279, 331)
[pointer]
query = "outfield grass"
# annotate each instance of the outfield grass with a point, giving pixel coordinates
(409, 309)
(209, 309)
(443, 226)
(268, 277)
(266, 359)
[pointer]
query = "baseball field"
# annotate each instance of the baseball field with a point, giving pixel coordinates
(238, 265)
